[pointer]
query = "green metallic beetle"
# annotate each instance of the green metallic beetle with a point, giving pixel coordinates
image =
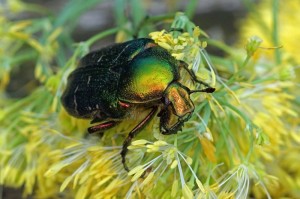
(109, 84)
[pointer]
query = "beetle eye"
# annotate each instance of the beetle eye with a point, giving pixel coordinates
(165, 101)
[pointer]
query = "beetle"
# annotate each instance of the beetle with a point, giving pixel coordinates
(110, 83)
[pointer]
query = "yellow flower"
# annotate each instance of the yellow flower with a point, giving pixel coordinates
(236, 182)
(275, 109)
(184, 47)
(260, 23)
(93, 170)
(169, 158)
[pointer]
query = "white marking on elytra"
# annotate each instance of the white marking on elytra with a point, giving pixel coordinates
(99, 59)
(121, 52)
(97, 106)
(75, 100)
(89, 79)
(90, 108)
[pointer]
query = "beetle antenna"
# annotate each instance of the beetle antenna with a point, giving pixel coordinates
(194, 77)
(206, 90)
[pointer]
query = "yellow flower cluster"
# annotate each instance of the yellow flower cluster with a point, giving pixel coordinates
(169, 159)
(276, 109)
(94, 173)
(261, 23)
(184, 47)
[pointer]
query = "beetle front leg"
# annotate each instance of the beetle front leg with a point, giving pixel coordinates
(194, 77)
(165, 120)
(166, 130)
(133, 133)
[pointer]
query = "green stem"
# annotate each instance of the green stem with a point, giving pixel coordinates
(221, 45)
(151, 20)
(250, 152)
(275, 31)
(96, 37)
(223, 133)
(175, 140)
(249, 123)
(191, 8)
(72, 11)
(119, 12)
(22, 57)
(246, 61)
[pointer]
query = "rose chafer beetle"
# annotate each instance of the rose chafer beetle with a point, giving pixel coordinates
(109, 84)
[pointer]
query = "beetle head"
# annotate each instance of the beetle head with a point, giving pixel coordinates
(178, 97)
(177, 103)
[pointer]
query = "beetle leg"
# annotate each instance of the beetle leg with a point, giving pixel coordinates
(165, 117)
(206, 90)
(193, 75)
(176, 127)
(102, 127)
(133, 133)
(167, 124)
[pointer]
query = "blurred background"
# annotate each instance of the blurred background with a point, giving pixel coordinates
(218, 18)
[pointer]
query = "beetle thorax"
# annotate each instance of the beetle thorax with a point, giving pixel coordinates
(146, 79)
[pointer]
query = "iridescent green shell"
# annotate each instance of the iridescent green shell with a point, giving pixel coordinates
(147, 76)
